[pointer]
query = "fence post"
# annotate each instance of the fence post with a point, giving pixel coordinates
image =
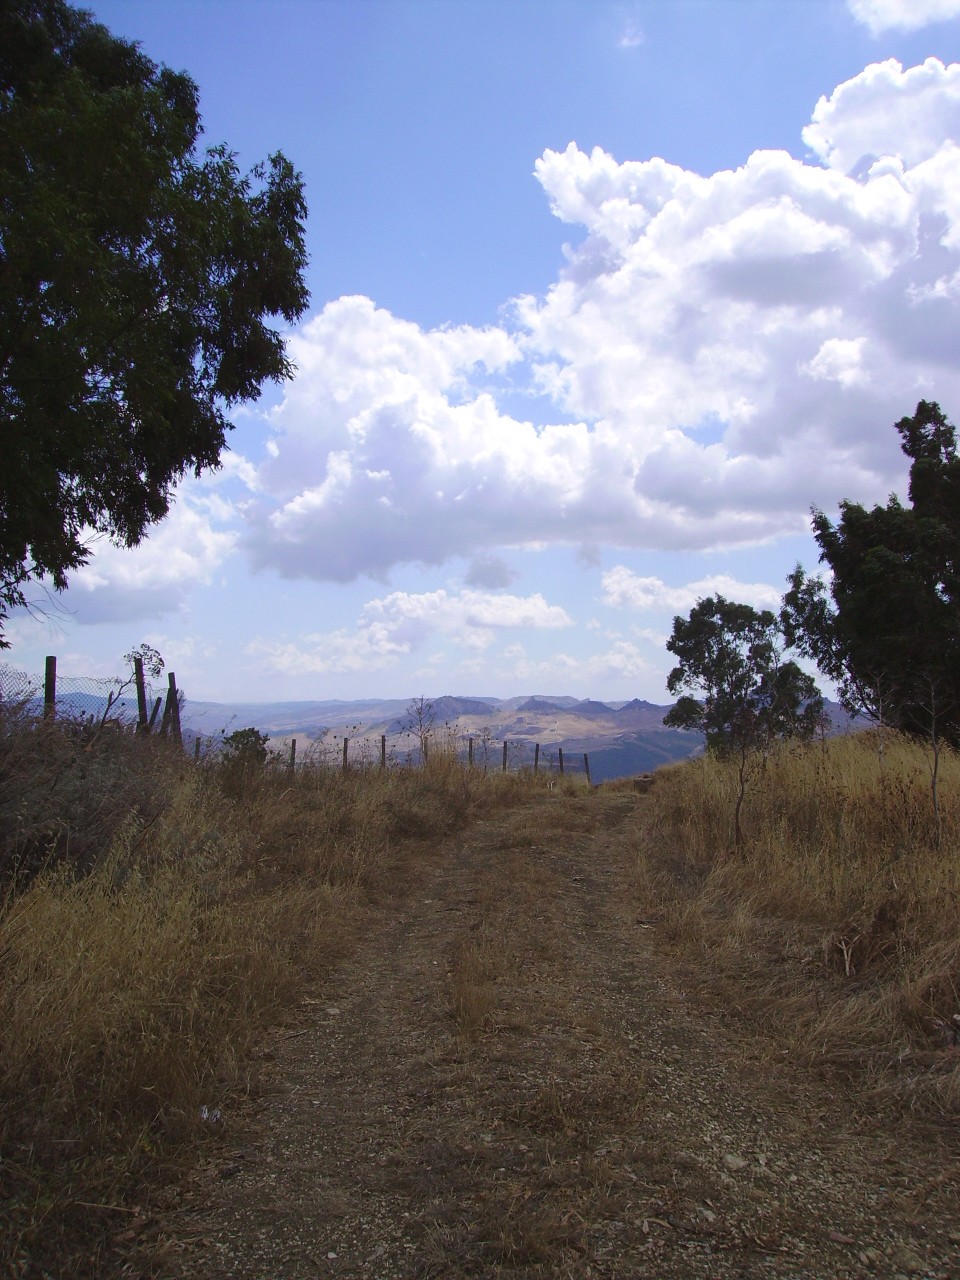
(154, 714)
(586, 767)
(293, 754)
(345, 741)
(504, 757)
(383, 751)
(469, 753)
(173, 702)
(536, 759)
(50, 690)
(560, 757)
(196, 747)
(141, 695)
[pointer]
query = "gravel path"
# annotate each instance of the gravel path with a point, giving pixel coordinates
(507, 1080)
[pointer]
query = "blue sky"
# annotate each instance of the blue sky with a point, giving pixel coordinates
(604, 297)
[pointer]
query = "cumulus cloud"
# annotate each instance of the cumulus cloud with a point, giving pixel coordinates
(902, 15)
(491, 572)
(887, 113)
(622, 661)
(722, 350)
(186, 549)
(624, 589)
(398, 624)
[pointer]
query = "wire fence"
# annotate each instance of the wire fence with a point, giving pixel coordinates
(95, 699)
(76, 697)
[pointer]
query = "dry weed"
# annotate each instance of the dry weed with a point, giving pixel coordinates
(156, 917)
(473, 976)
(838, 915)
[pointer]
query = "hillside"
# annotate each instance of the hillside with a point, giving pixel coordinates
(620, 741)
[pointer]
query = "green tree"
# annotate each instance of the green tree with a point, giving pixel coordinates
(246, 748)
(137, 276)
(886, 629)
(732, 655)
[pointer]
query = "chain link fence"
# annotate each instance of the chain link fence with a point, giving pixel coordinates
(77, 697)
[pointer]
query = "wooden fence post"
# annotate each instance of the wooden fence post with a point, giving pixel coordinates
(560, 756)
(173, 701)
(50, 690)
(141, 695)
(154, 714)
(196, 747)
(345, 741)
(504, 757)
(293, 754)
(383, 751)
(586, 767)
(536, 759)
(469, 753)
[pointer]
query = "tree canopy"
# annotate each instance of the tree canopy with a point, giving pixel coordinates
(137, 276)
(886, 629)
(733, 656)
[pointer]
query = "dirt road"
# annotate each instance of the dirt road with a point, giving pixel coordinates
(507, 1080)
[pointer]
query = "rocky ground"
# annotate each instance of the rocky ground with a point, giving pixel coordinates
(509, 1079)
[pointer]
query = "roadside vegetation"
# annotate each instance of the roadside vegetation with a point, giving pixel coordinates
(161, 920)
(834, 917)
(157, 916)
(820, 878)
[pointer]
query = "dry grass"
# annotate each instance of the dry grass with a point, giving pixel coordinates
(156, 917)
(837, 918)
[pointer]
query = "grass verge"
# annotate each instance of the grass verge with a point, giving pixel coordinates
(837, 918)
(156, 917)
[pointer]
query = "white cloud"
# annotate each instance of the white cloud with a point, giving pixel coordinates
(631, 37)
(491, 572)
(622, 661)
(624, 589)
(839, 360)
(393, 626)
(723, 351)
(887, 112)
(342, 651)
(470, 616)
(155, 578)
(902, 15)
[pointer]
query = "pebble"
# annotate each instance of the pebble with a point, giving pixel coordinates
(734, 1163)
(906, 1260)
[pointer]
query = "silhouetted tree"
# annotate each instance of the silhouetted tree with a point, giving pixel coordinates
(732, 655)
(136, 278)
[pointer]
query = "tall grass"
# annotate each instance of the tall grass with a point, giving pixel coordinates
(839, 913)
(155, 917)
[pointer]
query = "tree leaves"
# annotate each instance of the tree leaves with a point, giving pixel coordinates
(137, 278)
(733, 656)
(887, 628)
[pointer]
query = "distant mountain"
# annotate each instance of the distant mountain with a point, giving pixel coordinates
(620, 741)
(629, 756)
(449, 708)
(289, 717)
(555, 700)
(641, 715)
(539, 706)
(445, 710)
(592, 709)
